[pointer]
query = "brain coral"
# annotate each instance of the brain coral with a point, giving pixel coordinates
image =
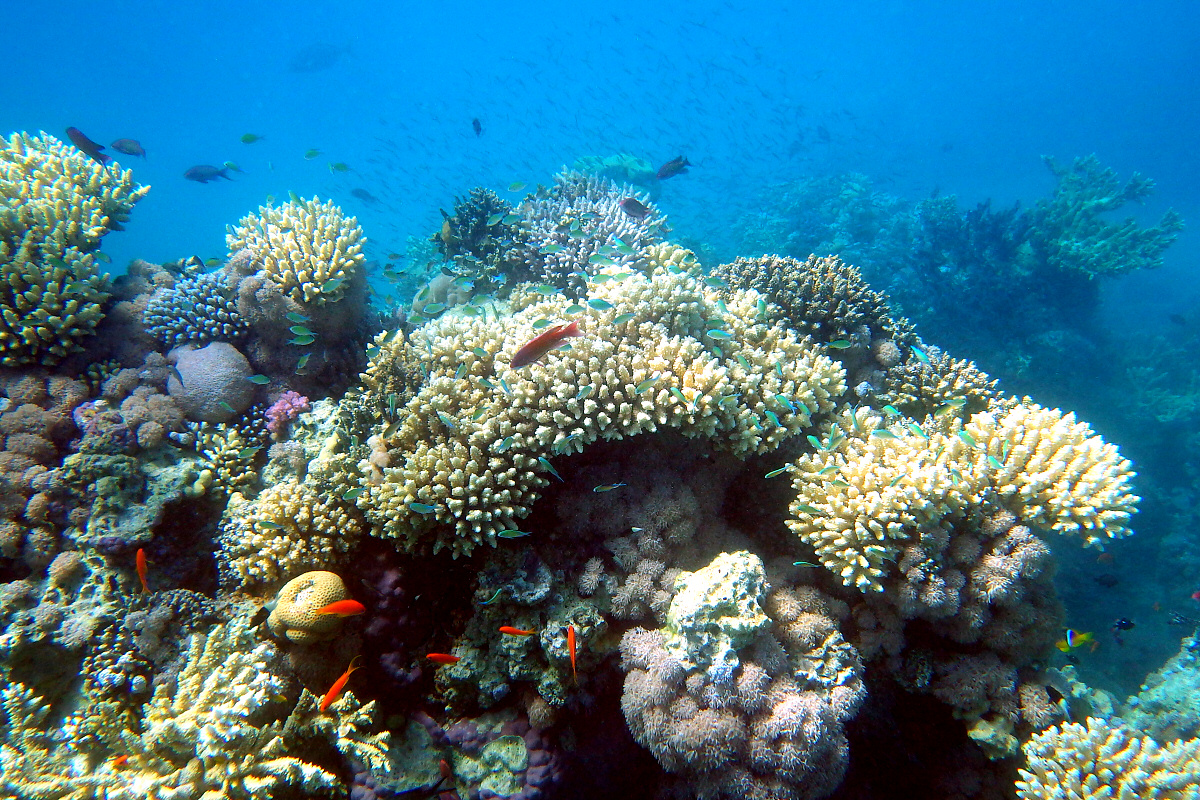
(1107, 760)
(473, 445)
(871, 488)
(211, 383)
(55, 206)
(309, 248)
(295, 615)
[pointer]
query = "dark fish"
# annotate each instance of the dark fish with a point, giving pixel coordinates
(675, 166)
(92, 149)
(203, 173)
(1176, 618)
(364, 195)
(1123, 624)
(634, 208)
(947, 147)
(316, 57)
(1177, 319)
(130, 147)
(1107, 580)
(1054, 694)
(477, 126)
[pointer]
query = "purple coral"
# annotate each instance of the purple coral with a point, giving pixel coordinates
(284, 410)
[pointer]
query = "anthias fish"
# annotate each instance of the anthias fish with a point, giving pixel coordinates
(635, 208)
(203, 173)
(342, 608)
(140, 560)
(511, 631)
(443, 658)
(338, 686)
(571, 648)
(130, 147)
(676, 166)
(92, 149)
(543, 343)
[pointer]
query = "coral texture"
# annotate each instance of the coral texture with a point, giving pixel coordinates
(309, 248)
(55, 206)
(196, 311)
(212, 382)
(295, 616)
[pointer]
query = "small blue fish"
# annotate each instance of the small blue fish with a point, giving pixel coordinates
(884, 433)
(915, 428)
(479, 351)
(584, 391)
(485, 383)
(921, 355)
(269, 524)
(261, 380)
(678, 395)
(504, 444)
(967, 438)
(331, 285)
(494, 219)
(504, 386)
(373, 351)
(608, 487)
(741, 359)
(573, 309)
(353, 494)
(779, 471)
(716, 283)
(891, 411)
(716, 333)
(771, 416)
(599, 305)
(840, 344)
(300, 330)
(550, 249)
(995, 462)
(621, 319)
(538, 324)
(807, 509)
(646, 384)
(551, 468)
(302, 341)
(422, 508)
(447, 420)
(785, 403)
(512, 533)
(546, 289)
(299, 319)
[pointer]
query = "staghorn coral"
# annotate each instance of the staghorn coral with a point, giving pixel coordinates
(291, 527)
(196, 311)
(766, 723)
(825, 298)
(55, 206)
(463, 464)
(307, 247)
(871, 488)
(1106, 759)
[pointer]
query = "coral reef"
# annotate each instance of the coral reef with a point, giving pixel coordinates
(1103, 759)
(194, 311)
(294, 617)
(1168, 706)
(56, 204)
(308, 248)
(211, 383)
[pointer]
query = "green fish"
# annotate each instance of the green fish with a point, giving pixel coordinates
(957, 475)
(248, 452)
(546, 289)
(784, 402)
(422, 508)
(839, 483)
(303, 340)
(353, 494)
(550, 249)
(608, 487)
(303, 362)
(538, 324)
(601, 260)
(339, 166)
(772, 416)
(646, 384)
(494, 219)
(576, 233)
(621, 319)
(299, 319)
(485, 383)
(599, 279)
(226, 406)
(433, 308)
(511, 219)
(921, 355)
(715, 283)
(741, 359)
(309, 155)
(331, 285)
(719, 334)
(624, 249)
(447, 420)
(599, 305)
(261, 380)
(373, 351)
(478, 415)
(827, 470)
(895, 480)
(550, 467)
(891, 411)
(728, 400)
(572, 309)
(584, 391)
(884, 433)
(470, 310)
(762, 308)
(269, 524)
(512, 533)
(300, 330)
(211, 262)
(293, 197)
(915, 428)
(516, 186)
(678, 395)
(479, 351)
(840, 344)
(105, 257)
(779, 471)
(251, 138)
(504, 386)
(1004, 450)
(815, 442)
(497, 594)
(967, 438)
(804, 564)
(807, 509)
(995, 462)
(504, 444)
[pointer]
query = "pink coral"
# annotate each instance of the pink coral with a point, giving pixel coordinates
(284, 410)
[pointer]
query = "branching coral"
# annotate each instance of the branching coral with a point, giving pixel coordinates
(196, 310)
(309, 248)
(479, 238)
(468, 458)
(55, 206)
(1107, 760)
(940, 384)
(871, 488)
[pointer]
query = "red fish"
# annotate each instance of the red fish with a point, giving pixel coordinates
(130, 147)
(444, 768)
(92, 149)
(141, 568)
(571, 647)
(338, 685)
(543, 343)
(635, 208)
(676, 166)
(443, 658)
(119, 761)
(511, 631)
(342, 608)
(1196, 595)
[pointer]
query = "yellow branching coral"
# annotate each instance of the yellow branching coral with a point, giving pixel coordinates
(919, 388)
(309, 248)
(1107, 760)
(871, 488)
(288, 529)
(662, 352)
(55, 206)
(228, 455)
(666, 256)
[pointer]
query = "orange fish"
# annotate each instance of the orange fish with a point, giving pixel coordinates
(342, 608)
(119, 761)
(543, 343)
(444, 768)
(511, 631)
(443, 658)
(571, 647)
(141, 569)
(338, 685)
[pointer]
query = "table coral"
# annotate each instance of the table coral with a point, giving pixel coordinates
(309, 248)
(56, 205)
(1107, 760)
(659, 352)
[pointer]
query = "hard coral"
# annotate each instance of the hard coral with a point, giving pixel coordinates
(294, 617)
(211, 384)
(195, 311)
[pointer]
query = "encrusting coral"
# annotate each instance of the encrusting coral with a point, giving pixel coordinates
(1106, 759)
(55, 206)
(309, 248)
(469, 455)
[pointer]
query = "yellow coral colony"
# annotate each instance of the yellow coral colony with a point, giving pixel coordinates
(309, 248)
(663, 351)
(55, 206)
(295, 616)
(880, 485)
(1107, 760)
